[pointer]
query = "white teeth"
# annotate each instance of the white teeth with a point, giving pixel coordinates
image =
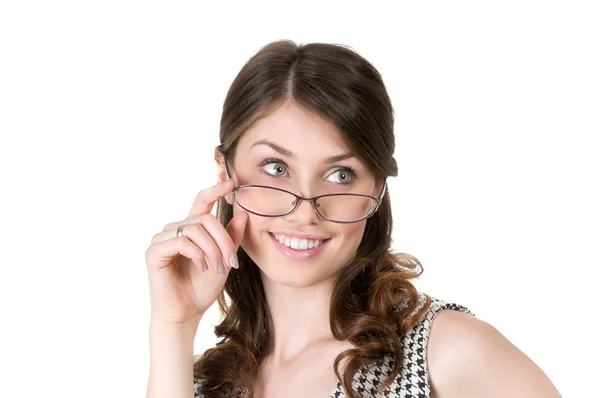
(296, 243)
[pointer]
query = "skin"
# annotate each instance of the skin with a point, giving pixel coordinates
(466, 356)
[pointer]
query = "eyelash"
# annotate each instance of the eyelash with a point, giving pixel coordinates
(341, 168)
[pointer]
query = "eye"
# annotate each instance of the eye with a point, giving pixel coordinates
(345, 175)
(274, 168)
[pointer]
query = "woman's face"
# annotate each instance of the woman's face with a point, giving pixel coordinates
(289, 149)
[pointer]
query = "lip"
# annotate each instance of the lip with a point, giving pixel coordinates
(300, 236)
(297, 254)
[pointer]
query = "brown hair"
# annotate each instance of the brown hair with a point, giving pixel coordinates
(343, 88)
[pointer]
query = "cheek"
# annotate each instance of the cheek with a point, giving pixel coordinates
(353, 233)
(251, 240)
(348, 239)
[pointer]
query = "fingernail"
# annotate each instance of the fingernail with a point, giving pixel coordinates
(221, 269)
(233, 261)
(204, 266)
(226, 181)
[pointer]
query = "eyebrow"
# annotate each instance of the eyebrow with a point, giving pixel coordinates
(289, 154)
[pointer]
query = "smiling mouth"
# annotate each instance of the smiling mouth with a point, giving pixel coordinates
(299, 254)
(298, 244)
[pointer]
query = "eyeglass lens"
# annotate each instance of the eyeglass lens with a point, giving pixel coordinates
(272, 202)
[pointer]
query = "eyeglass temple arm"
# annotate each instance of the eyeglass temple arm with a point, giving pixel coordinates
(226, 167)
(383, 190)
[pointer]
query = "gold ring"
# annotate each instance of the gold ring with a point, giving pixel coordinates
(180, 230)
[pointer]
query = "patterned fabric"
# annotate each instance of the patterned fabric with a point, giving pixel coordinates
(413, 380)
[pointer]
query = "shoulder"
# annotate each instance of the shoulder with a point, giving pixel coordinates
(468, 357)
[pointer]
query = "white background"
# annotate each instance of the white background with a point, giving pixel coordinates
(109, 114)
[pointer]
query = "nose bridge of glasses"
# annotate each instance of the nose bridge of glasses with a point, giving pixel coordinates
(310, 202)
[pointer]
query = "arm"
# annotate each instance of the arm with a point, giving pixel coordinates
(470, 358)
(171, 360)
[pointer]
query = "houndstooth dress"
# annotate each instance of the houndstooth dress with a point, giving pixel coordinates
(413, 380)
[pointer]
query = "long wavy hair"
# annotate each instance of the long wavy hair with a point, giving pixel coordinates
(373, 303)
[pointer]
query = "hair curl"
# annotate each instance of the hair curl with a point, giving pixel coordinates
(373, 302)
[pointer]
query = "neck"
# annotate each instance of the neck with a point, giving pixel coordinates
(300, 318)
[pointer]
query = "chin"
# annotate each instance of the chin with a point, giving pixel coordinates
(292, 279)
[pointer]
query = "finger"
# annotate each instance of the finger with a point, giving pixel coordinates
(162, 253)
(221, 238)
(197, 234)
(190, 220)
(206, 198)
(214, 228)
(174, 225)
(236, 229)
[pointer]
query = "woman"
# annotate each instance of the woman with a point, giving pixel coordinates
(299, 257)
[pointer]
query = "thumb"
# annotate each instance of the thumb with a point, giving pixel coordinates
(237, 227)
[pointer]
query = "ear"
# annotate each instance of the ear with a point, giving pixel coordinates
(222, 173)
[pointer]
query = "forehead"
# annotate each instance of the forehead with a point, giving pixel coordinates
(292, 127)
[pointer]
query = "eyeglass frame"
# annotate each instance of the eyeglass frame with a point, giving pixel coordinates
(314, 199)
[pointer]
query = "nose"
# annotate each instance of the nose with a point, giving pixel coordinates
(305, 213)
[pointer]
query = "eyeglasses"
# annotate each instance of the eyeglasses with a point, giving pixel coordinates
(341, 208)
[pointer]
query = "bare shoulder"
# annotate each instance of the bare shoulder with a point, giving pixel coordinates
(468, 357)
